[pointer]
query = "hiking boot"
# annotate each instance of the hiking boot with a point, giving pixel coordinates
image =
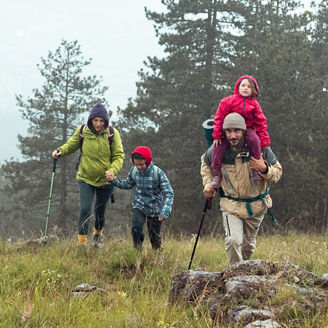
(157, 249)
(97, 241)
(217, 181)
(256, 175)
(82, 240)
(138, 247)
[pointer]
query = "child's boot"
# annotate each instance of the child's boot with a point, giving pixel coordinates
(256, 175)
(138, 247)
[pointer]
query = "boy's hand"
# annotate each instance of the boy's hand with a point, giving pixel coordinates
(216, 142)
(109, 175)
(160, 218)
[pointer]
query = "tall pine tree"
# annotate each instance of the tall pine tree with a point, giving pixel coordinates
(274, 46)
(208, 45)
(53, 112)
(177, 93)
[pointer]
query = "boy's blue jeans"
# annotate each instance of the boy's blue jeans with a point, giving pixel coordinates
(87, 193)
(153, 225)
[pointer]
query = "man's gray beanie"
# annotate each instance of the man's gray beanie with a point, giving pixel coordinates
(234, 121)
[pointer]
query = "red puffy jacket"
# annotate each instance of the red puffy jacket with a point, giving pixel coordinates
(248, 107)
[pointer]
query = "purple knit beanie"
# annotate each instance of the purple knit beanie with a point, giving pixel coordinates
(98, 110)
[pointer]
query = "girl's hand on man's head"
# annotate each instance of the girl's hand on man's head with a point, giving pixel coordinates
(216, 142)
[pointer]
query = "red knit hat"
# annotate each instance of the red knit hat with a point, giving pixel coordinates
(144, 152)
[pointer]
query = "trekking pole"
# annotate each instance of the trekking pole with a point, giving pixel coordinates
(208, 204)
(50, 195)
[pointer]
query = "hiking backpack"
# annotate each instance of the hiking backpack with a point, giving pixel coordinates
(155, 171)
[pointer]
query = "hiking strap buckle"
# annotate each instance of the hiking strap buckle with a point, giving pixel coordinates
(248, 202)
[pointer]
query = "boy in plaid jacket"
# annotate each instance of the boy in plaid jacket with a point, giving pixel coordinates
(153, 198)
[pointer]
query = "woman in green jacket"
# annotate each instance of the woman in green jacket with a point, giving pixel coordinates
(100, 153)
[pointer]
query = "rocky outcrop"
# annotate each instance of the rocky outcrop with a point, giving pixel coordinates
(252, 293)
(42, 241)
(84, 290)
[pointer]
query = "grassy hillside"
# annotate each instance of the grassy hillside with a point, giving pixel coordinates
(36, 283)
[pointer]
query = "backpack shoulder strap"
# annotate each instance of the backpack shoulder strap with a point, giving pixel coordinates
(81, 137)
(156, 177)
(133, 174)
(110, 140)
(155, 171)
(110, 135)
(80, 145)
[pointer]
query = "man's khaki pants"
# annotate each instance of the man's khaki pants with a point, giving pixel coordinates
(240, 240)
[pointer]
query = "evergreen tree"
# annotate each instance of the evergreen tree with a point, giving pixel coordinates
(177, 93)
(314, 124)
(208, 45)
(317, 117)
(275, 47)
(53, 113)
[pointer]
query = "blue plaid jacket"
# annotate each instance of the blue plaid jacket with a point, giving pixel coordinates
(151, 197)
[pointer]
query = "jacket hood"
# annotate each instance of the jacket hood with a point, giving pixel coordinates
(246, 77)
(98, 111)
(145, 152)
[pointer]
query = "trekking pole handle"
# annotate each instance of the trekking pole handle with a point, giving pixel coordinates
(208, 204)
(205, 206)
(55, 162)
(54, 165)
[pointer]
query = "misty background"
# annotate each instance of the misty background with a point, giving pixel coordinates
(166, 68)
(115, 34)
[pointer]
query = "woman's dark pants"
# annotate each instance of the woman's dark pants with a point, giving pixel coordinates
(87, 193)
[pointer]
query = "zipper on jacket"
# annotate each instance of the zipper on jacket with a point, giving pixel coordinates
(244, 104)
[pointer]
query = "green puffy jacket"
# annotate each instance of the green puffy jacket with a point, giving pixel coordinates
(96, 155)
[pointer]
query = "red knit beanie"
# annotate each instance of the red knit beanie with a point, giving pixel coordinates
(144, 152)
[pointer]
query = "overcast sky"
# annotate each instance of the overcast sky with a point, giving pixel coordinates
(115, 34)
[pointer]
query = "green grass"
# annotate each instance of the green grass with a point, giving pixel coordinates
(37, 281)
